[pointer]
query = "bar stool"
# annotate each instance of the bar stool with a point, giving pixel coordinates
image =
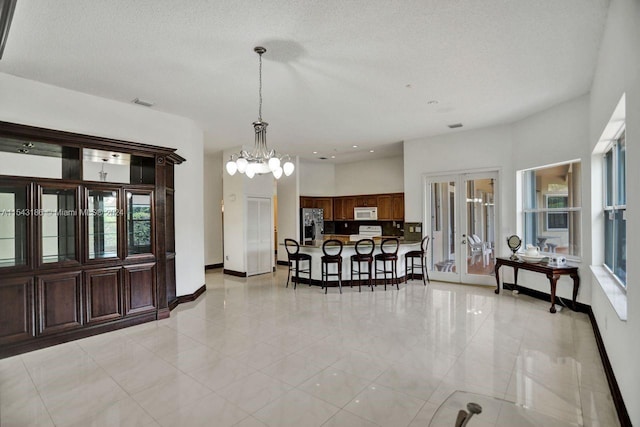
(332, 250)
(389, 254)
(295, 257)
(364, 253)
(421, 255)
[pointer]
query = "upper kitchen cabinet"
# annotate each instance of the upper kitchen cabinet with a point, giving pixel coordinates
(397, 207)
(366, 201)
(391, 207)
(325, 203)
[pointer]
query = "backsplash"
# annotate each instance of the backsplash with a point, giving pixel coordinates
(389, 228)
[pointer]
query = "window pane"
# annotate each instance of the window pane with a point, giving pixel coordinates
(622, 164)
(58, 222)
(565, 240)
(103, 224)
(608, 239)
(138, 223)
(13, 225)
(621, 247)
(608, 178)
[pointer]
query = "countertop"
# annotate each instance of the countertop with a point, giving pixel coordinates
(346, 242)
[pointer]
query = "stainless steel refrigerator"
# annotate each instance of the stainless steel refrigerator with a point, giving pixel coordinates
(311, 224)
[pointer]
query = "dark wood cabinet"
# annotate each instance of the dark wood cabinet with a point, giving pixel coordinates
(397, 207)
(139, 285)
(366, 201)
(59, 307)
(325, 203)
(103, 294)
(385, 209)
(83, 257)
(343, 208)
(17, 313)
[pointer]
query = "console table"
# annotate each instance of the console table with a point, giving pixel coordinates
(553, 273)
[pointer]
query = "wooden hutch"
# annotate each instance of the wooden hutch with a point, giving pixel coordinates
(80, 256)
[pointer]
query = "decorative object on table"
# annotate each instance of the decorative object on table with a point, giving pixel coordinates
(514, 243)
(260, 160)
(532, 254)
(557, 261)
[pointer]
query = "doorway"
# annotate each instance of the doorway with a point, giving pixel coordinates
(460, 216)
(259, 244)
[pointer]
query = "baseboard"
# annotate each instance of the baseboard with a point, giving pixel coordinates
(187, 298)
(235, 273)
(616, 395)
(582, 308)
(213, 266)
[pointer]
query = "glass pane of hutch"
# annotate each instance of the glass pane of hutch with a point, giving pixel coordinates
(139, 229)
(13, 225)
(58, 222)
(103, 223)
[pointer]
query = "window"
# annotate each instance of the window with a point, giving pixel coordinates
(615, 199)
(551, 208)
(557, 220)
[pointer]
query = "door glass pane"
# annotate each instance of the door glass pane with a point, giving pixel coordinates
(480, 227)
(138, 223)
(103, 223)
(443, 196)
(13, 225)
(58, 224)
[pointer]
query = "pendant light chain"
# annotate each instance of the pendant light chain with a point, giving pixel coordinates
(260, 91)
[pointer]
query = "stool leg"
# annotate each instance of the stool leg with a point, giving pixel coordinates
(288, 273)
(395, 273)
(406, 268)
(369, 275)
(340, 276)
(295, 279)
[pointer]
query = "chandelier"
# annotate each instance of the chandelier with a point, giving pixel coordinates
(260, 160)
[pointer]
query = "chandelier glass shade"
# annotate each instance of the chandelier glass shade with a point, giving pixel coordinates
(261, 160)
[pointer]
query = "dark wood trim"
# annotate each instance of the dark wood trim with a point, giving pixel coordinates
(213, 266)
(234, 273)
(70, 139)
(285, 263)
(187, 298)
(580, 307)
(616, 395)
(86, 331)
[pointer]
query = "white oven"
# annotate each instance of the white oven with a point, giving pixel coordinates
(365, 214)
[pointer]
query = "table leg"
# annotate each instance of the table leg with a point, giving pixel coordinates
(553, 280)
(496, 270)
(576, 285)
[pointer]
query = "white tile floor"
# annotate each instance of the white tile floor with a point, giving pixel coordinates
(251, 353)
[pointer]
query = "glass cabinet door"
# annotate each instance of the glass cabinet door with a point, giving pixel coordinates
(58, 221)
(13, 224)
(139, 224)
(102, 223)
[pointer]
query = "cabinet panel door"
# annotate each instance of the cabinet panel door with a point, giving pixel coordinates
(384, 207)
(398, 207)
(326, 203)
(338, 208)
(349, 204)
(306, 202)
(16, 314)
(366, 201)
(140, 288)
(103, 294)
(59, 307)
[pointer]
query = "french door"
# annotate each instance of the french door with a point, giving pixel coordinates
(460, 218)
(259, 234)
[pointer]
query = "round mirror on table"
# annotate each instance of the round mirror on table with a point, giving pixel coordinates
(514, 243)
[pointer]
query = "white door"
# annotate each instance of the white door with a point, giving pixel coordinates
(259, 236)
(460, 217)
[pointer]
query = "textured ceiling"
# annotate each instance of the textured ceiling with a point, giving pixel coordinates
(336, 73)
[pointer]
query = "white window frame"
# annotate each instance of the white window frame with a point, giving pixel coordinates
(556, 211)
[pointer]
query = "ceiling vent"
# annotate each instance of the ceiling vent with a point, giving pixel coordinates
(6, 15)
(455, 125)
(143, 103)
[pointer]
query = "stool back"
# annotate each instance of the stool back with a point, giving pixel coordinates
(365, 246)
(389, 246)
(291, 246)
(424, 244)
(332, 248)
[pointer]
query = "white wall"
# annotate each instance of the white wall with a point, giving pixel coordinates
(316, 179)
(32, 103)
(618, 72)
(370, 177)
(213, 170)
(288, 208)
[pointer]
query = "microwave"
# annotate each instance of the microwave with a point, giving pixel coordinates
(365, 214)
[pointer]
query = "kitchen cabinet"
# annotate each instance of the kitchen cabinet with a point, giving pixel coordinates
(385, 210)
(325, 203)
(366, 201)
(343, 208)
(397, 207)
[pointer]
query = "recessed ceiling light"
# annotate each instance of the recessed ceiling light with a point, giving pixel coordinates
(143, 103)
(455, 125)
(333, 157)
(371, 151)
(315, 152)
(354, 146)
